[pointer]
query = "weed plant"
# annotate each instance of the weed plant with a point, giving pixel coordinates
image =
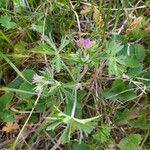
(74, 75)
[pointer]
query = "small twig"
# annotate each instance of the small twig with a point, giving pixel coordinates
(140, 7)
(83, 72)
(56, 145)
(22, 112)
(97, 75)
(77, 17)
(134, 8)
(54, 141)
(96, 98)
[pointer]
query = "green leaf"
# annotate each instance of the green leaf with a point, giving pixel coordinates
(87, 128)
(53, 125)
(127, 95)
(40, 107)
(83, 125)
(122, 116)
(103, 134)
(145, 78)
(49, 40)
(112, 47)
(69, 101)
(65, 137)
(120, 38)
(34, 119)
(140, 123)
(43, 49)
(5, 99)
(132, 61)
(64, 43)
(27, 73)
(135, 71)
(19, 3)
(118, 91)
(118, 85)
(139, 52)
(2, 2)
(7, 116)
(80, 96)
(119, 58)
(25, 86)
(80, 146)
(6, 22)
(48, 25)
(115, 62)
(131, 142)
(58, 64)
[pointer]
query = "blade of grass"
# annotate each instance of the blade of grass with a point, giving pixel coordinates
(6, 38)
(16, 90)
(13, 66)
(13, 147)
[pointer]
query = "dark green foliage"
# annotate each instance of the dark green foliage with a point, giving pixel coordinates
(119, 91)
(130, 142)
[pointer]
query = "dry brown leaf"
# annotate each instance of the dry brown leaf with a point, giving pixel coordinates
(135, 23)
(99, 20)
(147, 28)
(10, 127)
(85, 10)
(98, 17)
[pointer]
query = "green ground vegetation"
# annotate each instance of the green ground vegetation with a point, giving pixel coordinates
(74, 75)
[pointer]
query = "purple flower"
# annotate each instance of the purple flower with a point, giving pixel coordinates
(85, 43)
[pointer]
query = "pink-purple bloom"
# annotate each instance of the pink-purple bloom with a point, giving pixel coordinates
(85, 43)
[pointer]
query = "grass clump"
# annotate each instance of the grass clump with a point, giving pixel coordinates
(74, 74)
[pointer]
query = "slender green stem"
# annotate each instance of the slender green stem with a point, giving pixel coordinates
(43, 34)
(6, 38)
(74, 104)
(21, 131)
(13, 66)
(16, 90)
(146, 137)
